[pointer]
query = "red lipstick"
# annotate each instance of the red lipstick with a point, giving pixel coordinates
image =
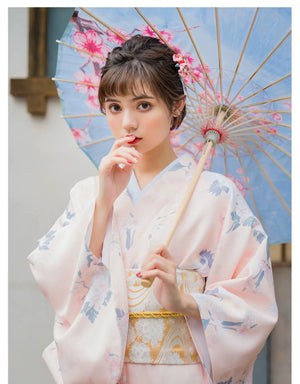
(134, 140)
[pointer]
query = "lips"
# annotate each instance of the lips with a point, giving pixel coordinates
(134, 140)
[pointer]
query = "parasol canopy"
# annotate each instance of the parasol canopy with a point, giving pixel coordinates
(238, 84)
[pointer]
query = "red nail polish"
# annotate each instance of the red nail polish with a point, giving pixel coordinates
(129, 162)
(139, 274)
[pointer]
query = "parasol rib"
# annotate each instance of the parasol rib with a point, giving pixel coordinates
(265, 111)
(197, 51)
(76, 82)
(98, 141)
(276, 146)
(232, 126)
(178, 131)
(261, 90)
(184, 144)
(80, 49)
(153, 28)
(247, 129)
(84, 115)
(197, 92)
(282, 125)
(194, 108)
(251, 111)
(269, 156)
(105, 25)
(219, 54)
(242, 53)
(268, 179)
(267, 102)
(261, 65)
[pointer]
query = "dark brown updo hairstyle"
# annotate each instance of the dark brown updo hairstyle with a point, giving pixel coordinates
(140, 62)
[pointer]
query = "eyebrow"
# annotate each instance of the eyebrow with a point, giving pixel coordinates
(134, 99)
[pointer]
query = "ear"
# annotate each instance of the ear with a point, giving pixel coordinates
(178, 106)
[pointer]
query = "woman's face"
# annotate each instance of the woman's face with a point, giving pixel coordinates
(143, 116)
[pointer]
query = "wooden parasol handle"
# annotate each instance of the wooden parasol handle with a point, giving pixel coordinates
(188, 194)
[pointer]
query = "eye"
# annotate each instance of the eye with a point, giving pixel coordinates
(113, 108)
(144, 106)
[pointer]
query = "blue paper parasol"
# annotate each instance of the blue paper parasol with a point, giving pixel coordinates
(238, 84)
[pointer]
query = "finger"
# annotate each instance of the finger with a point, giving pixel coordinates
(164, 252)
(127, 152)
(158, 262)
(151, 275)
(131, 150)
(116, 160)
(123, 140)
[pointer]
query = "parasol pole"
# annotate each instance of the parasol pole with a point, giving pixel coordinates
(212, 137)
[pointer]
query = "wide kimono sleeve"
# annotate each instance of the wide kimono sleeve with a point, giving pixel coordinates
(238, 308)
(55, 260)
(79, 287)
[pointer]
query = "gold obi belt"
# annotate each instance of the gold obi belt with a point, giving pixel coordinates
(156, 336)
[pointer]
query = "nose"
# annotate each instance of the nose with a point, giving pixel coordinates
(129, 121)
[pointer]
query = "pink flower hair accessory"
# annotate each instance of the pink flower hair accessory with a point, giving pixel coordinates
(181, 62)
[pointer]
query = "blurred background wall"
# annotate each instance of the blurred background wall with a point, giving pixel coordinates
(44, 163)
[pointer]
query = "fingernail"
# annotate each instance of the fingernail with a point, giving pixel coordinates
(129, 162)
(139, 275)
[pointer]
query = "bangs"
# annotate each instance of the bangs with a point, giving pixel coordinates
(131, 78)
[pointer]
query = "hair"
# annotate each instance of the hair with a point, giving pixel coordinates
(143, 62)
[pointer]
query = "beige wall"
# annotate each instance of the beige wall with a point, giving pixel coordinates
(44, 163)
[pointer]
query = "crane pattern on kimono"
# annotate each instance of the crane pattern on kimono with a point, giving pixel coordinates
(64, 220)
(216, 188)
(219, 323)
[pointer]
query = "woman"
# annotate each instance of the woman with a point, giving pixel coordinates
(211, 305)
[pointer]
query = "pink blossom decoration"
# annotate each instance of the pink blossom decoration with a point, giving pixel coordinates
(277, 116)
(88, 78)
(114, 38)
(273, 130)
(254, 111)
(80, 135)
(92, 42)
(146, 30)
(93, 102)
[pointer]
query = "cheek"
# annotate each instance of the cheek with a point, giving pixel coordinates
(113, 123)
(162, 122)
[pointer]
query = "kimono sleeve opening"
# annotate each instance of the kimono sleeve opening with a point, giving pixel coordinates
(238, 308)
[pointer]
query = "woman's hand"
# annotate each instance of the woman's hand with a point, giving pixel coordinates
(112, 178)
(161, 267)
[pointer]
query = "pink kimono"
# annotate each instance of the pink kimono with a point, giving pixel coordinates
(221, 252)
